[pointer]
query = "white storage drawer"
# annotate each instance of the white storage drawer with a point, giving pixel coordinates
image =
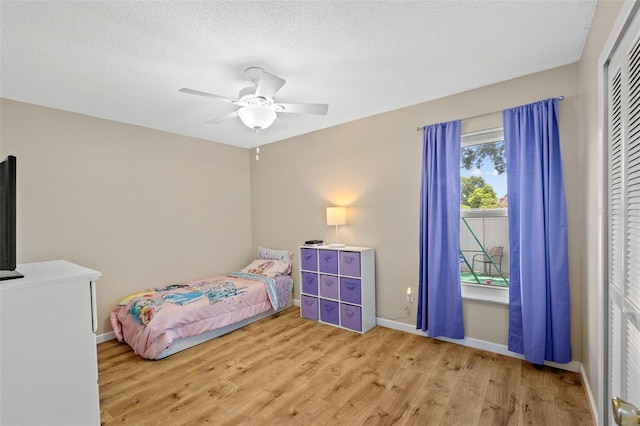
(350, 263)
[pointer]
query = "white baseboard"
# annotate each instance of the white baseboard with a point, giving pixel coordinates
(573, 366)
(100, 338)
(592, 402)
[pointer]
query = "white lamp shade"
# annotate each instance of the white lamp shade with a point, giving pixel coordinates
(257, 117)
(336, 216)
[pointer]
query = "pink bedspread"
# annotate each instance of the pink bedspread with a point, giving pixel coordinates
(149, 321)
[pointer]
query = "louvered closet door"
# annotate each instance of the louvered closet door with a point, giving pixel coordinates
(623, 219)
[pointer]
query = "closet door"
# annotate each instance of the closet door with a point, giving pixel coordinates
(623, 216)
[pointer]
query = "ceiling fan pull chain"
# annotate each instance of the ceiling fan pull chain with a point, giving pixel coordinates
(257, 146)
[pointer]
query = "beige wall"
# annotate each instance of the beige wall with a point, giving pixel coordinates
(373, 166)
(591, 175)
(143, 207)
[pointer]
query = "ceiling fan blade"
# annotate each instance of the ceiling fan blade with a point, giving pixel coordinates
(208, 95)
(269, 85)
(229, 116)
(319, 109)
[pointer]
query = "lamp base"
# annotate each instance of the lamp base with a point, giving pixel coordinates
(337, 245)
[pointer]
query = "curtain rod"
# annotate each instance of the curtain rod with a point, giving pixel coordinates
(419, 129)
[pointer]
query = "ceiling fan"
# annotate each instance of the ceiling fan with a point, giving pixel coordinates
(258, 107)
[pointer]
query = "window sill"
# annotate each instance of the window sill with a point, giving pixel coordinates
(485, 293)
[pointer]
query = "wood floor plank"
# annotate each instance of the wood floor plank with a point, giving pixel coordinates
(286, 370)
(465, 405)
(501, 404)
(430, 400)
(538, 407)
(357, 409)
(393, 405)
(300, 407)
(346, 383)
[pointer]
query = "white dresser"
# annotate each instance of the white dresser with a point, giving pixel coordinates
(48, 360)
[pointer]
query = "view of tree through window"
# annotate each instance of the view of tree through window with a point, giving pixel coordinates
(483, 176)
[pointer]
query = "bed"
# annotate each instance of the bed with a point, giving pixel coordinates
(162, 321)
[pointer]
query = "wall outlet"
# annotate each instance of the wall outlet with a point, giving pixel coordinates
(409, 297)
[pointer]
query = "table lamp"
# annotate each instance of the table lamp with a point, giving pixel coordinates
(336, 216)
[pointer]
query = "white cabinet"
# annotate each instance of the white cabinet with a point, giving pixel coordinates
(337, 286)
(48, 359)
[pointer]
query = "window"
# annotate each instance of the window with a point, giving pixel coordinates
(484, 227)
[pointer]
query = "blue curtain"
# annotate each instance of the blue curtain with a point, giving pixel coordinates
(439, 300)
(539, 311)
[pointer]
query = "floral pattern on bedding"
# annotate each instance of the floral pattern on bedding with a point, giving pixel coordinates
(150, 320)
(144, 306)
(144, 309)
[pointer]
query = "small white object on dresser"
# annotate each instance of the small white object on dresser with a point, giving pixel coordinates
(338, 286)
(48, 358)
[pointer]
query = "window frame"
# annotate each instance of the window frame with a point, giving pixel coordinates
(470, 290)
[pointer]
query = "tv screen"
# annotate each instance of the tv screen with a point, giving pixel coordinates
(8, 219)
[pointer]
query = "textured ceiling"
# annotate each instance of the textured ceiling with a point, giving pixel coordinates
(125, 61)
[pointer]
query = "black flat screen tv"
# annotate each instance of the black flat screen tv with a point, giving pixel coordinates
(8, 219)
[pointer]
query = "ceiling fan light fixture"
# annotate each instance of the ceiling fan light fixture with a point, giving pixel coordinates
(257, 117)
(258, 109)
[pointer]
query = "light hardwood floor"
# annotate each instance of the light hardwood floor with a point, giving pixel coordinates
(286, 370)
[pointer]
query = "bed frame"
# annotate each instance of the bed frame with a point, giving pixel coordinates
(191, 341)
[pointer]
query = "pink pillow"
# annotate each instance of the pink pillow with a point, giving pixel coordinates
(267, 267)
(284, 256)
